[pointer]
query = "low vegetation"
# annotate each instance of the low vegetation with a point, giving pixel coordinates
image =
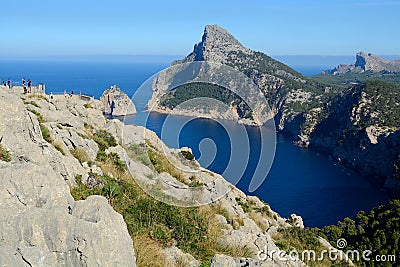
(80, 154)
(38, 115)
(46, 133)
(347, 79)
(154, 225)
(87, 105)
(151, 223)
(161, 164)
(378, 231)
(104, 139)
(187, 155)
(33, 103)
(138, 152)
(4, 154)
(59, 147)
(194, 90)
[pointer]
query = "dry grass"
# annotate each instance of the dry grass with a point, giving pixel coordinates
(259, 220)
(237, 222)
(148, 252)
(59, 147)
(80, 154)
(236, 251)
(214, 231)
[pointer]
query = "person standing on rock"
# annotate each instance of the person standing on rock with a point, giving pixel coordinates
(9, 83)
(29, 85)
(23, 82)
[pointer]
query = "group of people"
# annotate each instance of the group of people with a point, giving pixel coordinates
(27, 89)
(26, 84)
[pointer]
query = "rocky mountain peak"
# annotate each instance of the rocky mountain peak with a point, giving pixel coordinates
(367, 62)
(215, 45)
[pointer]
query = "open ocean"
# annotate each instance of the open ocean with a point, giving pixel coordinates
(301, 181)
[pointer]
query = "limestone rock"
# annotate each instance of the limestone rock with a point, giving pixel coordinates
(175, 257)
(41, 224)
(296, 220)
(116, 102)
(215, 45)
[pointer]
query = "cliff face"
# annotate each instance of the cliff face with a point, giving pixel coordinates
(367, 62)
(359, 133)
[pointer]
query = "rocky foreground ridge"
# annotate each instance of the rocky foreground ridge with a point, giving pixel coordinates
(44, 226)
(52, 147)
(367, 62)
(366, 135)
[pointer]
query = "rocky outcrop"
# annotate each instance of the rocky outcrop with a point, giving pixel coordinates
(215, 45)
(367, 62)
(41, 224)
(116, 102)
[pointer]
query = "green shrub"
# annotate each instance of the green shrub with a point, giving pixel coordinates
(45, 133)
(82, 135)
(87, 105)
(114, 158)
(38, 115)
(104, 139)
(4, 154)
(39, 97)
(194, 182)
(187, 154)
(162, 164)
(138, 152)
(33, 103)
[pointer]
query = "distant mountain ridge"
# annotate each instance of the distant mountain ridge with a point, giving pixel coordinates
(367, 62)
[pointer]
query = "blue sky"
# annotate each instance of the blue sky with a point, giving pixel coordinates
(48, 27)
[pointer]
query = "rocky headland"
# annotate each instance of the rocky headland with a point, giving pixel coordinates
(340, 117)
(366, 62)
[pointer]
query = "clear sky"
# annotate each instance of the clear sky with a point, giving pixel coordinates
(87, 27)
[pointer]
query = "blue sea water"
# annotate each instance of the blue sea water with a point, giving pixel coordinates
(301, 181)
